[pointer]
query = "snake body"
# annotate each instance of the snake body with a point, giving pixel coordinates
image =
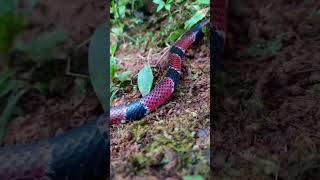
(83, 153)
(139, 108)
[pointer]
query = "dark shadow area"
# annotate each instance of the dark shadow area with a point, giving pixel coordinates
(267, 96)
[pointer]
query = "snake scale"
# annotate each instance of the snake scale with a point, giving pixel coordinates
(83, 153)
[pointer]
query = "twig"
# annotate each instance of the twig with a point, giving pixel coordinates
(309, 83)
(165, 50)
(129, 37)
(306, 71)
(148, 56)
(83, 43)
(141, 57)
(77, 75)
(68, 72)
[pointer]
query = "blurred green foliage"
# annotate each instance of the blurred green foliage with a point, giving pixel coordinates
(12, 21)
(20, 61)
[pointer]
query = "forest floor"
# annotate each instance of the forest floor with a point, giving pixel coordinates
(267, 124)
(173, 142)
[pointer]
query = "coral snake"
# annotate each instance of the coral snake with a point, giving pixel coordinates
(83, 153)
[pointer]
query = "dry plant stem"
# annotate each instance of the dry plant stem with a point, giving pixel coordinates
(306, 71)
(164, 53)
(263, 78)
(149, 57)
(68, 72)
(83, 43)
(141, 57)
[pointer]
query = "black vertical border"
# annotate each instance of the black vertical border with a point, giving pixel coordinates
(217, 50)
(108, 85)
(212, 94)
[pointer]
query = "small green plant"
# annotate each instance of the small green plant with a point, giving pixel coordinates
(119, 11)
(198, 10)
(117, 79)
(193, 177)
(174, 145)
(161, 4)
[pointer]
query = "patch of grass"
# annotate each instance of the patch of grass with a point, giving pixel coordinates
(181, 16)
(138, 130)
(172, 146)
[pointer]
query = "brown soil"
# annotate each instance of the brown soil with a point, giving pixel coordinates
(47, 116)
(268, 107)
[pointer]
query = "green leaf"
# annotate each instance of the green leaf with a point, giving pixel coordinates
(194, 7)
(97, 64)
(113, 67)
(8, 110)
(122, 11)
(174, 36)
(160, 3)
(160, 7)
(145, 80)
(167, 7)
(113, 49)
(113, 95)
(196, 18)
(118, 30)
(205, 2)
(8, 87)
(196, 177)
